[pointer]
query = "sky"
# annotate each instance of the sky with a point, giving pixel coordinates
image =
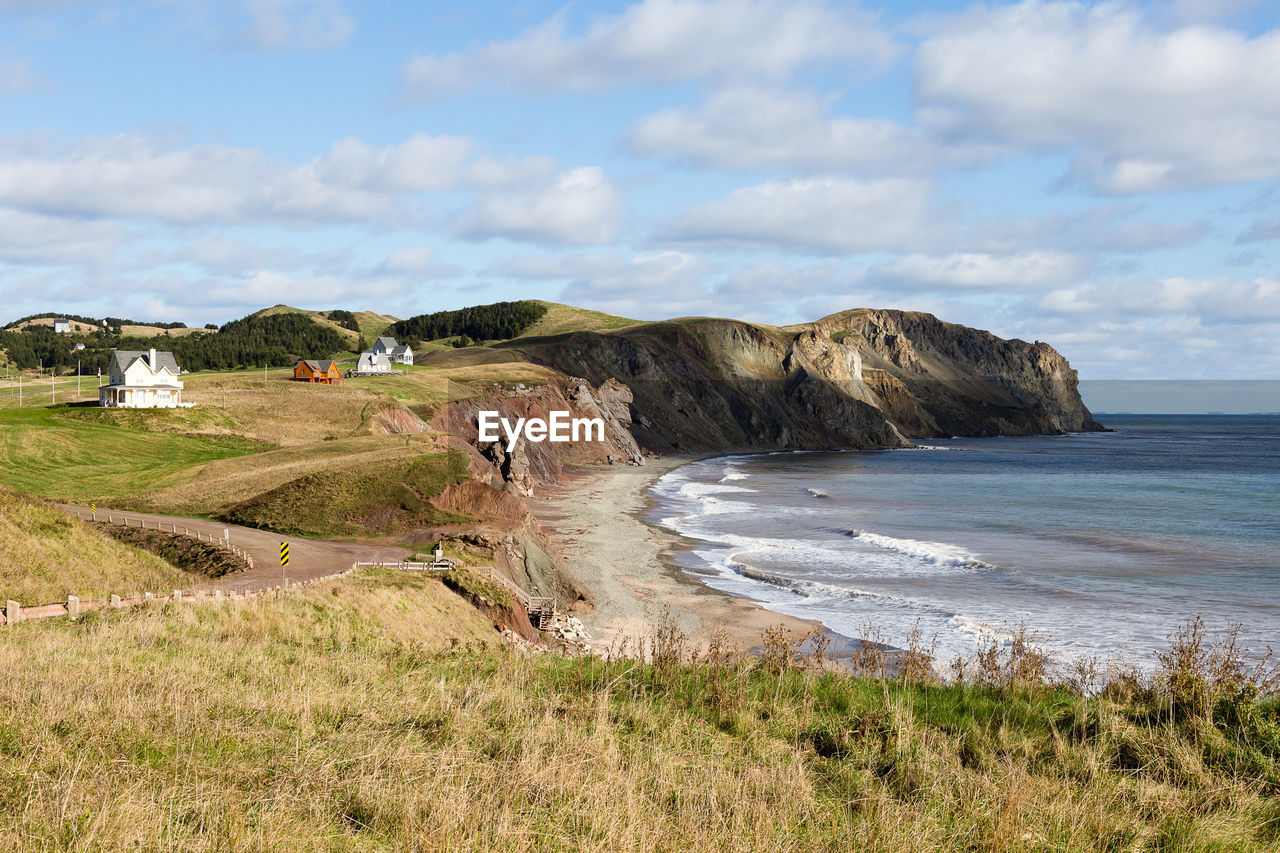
(1104, 177)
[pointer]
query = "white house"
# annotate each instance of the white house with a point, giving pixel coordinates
(142, 380)
(396, 353)
(62, 325)
(373, 362)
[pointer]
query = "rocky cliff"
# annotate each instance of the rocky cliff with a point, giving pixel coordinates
(857, 379)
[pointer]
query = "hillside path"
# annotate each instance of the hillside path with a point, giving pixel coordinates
(308, 558)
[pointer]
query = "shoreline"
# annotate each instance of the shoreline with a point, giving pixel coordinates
(595, 518)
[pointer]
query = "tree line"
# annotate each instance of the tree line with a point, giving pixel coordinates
(497, 322)
(112, 323)
(278, 341)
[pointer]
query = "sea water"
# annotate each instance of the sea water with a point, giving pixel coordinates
(1099, 543)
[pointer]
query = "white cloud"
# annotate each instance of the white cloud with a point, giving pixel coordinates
(16, 77)
(765, 128)
(34, 238)
(417, 262)
(129, 177)
(663, 41)
(821, 216)
(1147, 108)
(1031, 270)
(1213, 300)
(1104, 228)
(297, 24)
(579, 207)
(1263, 229)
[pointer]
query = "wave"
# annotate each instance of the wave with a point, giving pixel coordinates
(932, 447)
(931, 553)
(818, 493)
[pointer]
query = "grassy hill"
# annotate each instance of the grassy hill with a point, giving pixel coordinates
(374, 713)
(47, 554)
(371, 324)
(560, 319)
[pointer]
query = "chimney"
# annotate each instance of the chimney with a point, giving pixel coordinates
(151, 362)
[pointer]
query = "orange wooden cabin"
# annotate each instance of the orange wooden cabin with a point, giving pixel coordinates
(324, 372)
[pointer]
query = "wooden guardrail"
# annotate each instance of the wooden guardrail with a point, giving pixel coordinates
(74, 606)
(124, 521)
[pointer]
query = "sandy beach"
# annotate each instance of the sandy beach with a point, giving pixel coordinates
(595, 520)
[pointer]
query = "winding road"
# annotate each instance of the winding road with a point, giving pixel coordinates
(308, 558)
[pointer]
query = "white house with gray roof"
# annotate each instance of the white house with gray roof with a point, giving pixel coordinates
(142, 380)
(395, 353)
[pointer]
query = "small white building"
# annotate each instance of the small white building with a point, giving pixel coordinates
(62, 325)
(396, 353)
(142, 380)
(373, 362)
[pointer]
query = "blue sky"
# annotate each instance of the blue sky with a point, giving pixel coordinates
(1105, 177)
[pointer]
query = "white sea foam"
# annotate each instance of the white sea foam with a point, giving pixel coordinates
(818, 493)
(932, 553)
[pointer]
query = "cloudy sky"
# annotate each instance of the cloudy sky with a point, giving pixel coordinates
(1104, 177)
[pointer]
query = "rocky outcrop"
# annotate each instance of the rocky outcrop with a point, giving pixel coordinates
(705, 385)
(530, 464)
(859, 379)
(964, 381)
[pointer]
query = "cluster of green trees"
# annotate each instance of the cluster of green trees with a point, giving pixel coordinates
(499, 321)
(278, 340)
(345, 319)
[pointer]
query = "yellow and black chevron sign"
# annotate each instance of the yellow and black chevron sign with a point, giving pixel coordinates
(284, 553)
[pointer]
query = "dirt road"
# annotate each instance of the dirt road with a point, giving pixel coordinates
(308, 558)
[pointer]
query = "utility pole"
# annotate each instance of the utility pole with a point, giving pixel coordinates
(53, 390)
(77, 377)
(19, 390)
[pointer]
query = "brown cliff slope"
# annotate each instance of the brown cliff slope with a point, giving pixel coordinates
(857, 379)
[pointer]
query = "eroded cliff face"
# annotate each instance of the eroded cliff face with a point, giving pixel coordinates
(533, 463)
(706, 385)
(937, 378)
(859, 379)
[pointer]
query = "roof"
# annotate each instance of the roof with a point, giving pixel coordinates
(401, 350)
(389, 343)
(61, 320)
(319, 366)
(122, 359)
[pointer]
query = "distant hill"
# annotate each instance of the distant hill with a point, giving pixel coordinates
(369, 324)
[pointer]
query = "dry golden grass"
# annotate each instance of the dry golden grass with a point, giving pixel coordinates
(215, 486)
(566, 318)
(46, 554)
(354, 717)
(279, 411)
(153, 331)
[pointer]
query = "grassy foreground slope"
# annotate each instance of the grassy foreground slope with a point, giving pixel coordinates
(46, 554)
(77, 454)
(362, 716)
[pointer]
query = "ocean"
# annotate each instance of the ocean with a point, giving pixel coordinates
(1099, 543)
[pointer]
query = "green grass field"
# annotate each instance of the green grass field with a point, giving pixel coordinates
(55, 453)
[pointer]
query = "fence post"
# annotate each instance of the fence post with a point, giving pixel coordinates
(12, 611)
(115, 601)
(177, 595)
(73, 606)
